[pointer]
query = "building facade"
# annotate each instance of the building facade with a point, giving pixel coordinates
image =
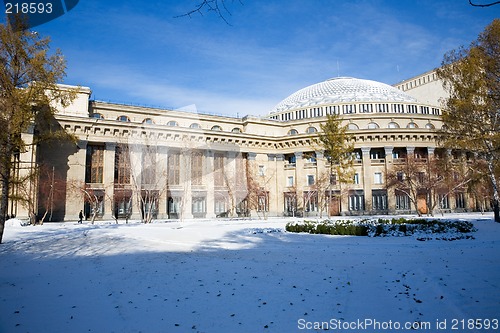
(136, 162)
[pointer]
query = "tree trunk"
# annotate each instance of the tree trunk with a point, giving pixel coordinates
(494, 185)
(4, 204)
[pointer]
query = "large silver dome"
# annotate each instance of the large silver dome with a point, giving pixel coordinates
(342, 90)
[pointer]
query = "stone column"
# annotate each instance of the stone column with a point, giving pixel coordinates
(410, 152)
(109, 180)
(279, 201)
(208, 180)
(135, 155)
(367, 178)
(391, 196)
(252, 171)
(230, 174)
(300, 179)
(162, 171)
(27, 165)
(430, 152)
(185, 178)
(76, 176)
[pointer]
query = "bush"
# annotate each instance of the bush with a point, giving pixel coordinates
(328, 228)
(384, 227)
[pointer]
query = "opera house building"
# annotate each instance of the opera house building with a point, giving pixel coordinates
(129, 161)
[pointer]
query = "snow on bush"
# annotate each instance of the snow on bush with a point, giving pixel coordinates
(15, 223)
(255, 231)
(421, 229)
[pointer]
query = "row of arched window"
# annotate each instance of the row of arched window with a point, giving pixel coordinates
(371, 125)
(171, 123)
(392, 124)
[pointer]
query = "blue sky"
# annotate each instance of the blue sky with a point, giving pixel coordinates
(137, 51)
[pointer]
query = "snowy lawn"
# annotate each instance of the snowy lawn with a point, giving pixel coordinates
(243, 276)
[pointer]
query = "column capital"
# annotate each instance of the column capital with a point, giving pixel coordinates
(298, 154)
(430, 150)
(252, 156)
(365, 150)
(388, 150)
(280, 157)
(110, 145)
(271, 157)
(82, 144)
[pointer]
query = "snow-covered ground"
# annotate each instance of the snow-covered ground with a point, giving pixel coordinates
(243, 276)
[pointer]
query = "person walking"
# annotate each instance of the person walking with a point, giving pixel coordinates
(80, 217)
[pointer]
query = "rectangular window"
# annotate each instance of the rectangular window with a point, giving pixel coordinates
(377, 178)
(347, 109)
(310, 180)
(94, 204)
(377, 154)
(122, 165)
(219, 170)
(366, 108)
(198, 205)
(421, 177)
(411, 108)
(123, 203)
(356, 201)
(356, 178)
(149, 203)
(290, 203)
(94, 164)
(397, 108)
(197, 168)
(220, 206)
(443, 201)
(379, 200)
(402, 201)
(149, 165)
(174, 205)
(424, 109)
(263, 201)
(460, 200)
(400, 175)
(333, 179)
(383, 107)
(311, 201)
(290, 182)
(174, 168)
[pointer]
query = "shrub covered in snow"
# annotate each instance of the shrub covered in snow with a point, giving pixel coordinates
(422, 229)
(340, 227)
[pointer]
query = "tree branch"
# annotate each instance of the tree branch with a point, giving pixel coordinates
(485, 5)
(217, 6)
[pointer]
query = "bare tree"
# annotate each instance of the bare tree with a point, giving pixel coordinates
(148, 178)
(258, 184)
(409, 178)
(51, 191)
(235, 184)
(219, 7)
